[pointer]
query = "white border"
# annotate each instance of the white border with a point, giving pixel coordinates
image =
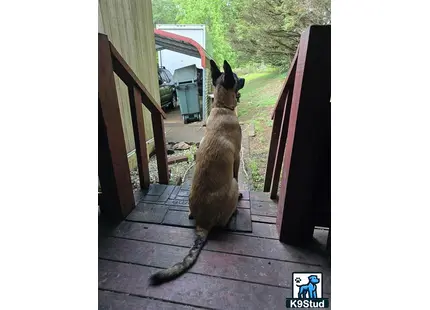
(380, 154)
(48, 199)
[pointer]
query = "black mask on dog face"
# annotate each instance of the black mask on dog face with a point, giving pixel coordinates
(228, 79)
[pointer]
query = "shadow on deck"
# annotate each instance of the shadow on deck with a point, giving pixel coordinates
(242, 267)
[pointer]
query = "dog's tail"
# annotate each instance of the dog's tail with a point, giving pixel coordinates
(189, 260)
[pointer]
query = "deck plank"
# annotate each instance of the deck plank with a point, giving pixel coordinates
(245, 194)
(243, 220)
(260, 196)
(184, 193)
(166, 194)
(232, 266)
(179, 208)
(150, 198)
(178, 202)
(175, 192)
(145, 212)
(186, 186)
(165, 204)
(264, 248)
(262, 230)
(192, 289)
(263, 208)
(244, 204)
(263, 219)
(248, 269)
(178, 218)
(221, 241)
(120, 301)
(156, 189)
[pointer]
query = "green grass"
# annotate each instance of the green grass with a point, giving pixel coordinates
(257, 100)
(261, 90)
(258, 96)
(257, 177)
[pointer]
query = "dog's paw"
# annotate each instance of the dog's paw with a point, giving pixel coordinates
(240, 196)
(190, 216)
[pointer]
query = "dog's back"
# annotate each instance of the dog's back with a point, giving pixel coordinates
(214, 190)
(215, 159)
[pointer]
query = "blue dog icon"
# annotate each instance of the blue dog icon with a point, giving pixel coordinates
(309, 289)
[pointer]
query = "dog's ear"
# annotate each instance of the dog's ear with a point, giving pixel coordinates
(229, 80)
(215, 73)
(240, 83)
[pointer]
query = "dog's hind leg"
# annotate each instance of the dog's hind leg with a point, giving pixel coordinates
(232, 203)
(236, 166)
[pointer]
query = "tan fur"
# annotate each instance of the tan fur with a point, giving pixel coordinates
(215, 191)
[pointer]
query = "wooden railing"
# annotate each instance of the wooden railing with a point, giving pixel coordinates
(114, 173)
(280, 117)
(300, 142)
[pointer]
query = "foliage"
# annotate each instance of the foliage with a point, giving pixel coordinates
(215, 15)
(269, 30)
(164, 11)
(255, 107)
(248, 32)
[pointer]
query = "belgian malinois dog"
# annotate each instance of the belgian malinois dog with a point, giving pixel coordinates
(214, 191)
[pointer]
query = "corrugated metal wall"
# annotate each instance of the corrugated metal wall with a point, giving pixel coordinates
(128, 24)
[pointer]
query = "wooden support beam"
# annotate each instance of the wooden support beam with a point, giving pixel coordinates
(288, 84)
(281, 147)
(114, 172)
(124, 72)
(276, 128)
(277, 119)
(300, 196)
(160, 148)
(139, 135)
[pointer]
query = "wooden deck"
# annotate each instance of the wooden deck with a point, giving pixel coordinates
(236, 269)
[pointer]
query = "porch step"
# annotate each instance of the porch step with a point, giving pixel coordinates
(168, 205)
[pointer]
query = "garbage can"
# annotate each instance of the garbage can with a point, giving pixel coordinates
(185, 79)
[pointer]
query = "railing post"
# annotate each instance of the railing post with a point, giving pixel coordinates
(160, 148)
(306, 163)
(114, 172)
(277, 116)
(281, 146)
(274, 140)
(139, 135)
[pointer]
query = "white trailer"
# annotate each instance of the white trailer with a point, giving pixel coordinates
(180, 46)
(173, 60)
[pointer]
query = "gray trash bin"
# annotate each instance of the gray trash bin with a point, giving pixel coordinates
(188, 94)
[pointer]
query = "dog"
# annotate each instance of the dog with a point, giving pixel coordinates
(214, 192)
(309, 289)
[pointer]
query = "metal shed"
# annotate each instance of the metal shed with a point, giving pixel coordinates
(187, 46)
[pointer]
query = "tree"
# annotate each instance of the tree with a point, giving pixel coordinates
(247, 31)
(214, 14)
(268, 31)
(164, 12)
